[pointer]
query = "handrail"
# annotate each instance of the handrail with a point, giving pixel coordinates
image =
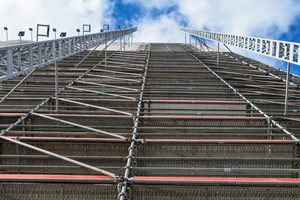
(281, 50)
(19, 59)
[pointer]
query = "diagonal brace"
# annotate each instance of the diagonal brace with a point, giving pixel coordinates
(110, 77)
(60, 157)
(81, 126)
(105, 85)
(93, 106)
(122, 67)
(12, 90)
(97, 92)
(117, 72)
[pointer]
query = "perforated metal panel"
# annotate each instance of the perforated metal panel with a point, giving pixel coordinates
(102, 149)
(57, 192)
(220, 193)
(219, 150)
(205, 123)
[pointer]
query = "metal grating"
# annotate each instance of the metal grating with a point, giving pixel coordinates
(216, 192)
(159, 122)
(57, 191)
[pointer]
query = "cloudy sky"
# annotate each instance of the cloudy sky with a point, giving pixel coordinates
(159, 20)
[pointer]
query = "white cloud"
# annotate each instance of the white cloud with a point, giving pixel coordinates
(255, 17)
(159, 30)
(261, 18)
(64, 15)
(159, 4)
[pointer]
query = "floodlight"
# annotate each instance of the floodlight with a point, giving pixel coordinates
(78, 30)
(118, 26)
(63, 34)
(124, 26)
(101, 30)
(54, 30)
(21, 33)
(6, 30)
(130, 25)
(30, 29)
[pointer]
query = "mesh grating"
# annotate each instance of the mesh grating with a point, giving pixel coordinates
(103, 149)
(221, 150)
(207, 193)
(57, 192)
(220, 123)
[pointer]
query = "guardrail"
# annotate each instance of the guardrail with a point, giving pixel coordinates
(282, 50)
(19, 59)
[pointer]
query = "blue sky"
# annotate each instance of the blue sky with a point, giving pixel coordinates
(133, 10)
(159, 20)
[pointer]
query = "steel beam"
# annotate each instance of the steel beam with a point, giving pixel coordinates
(93, 106)
(46, 178)
(117, 72)
(214, 181)
(287, 80)
(218, 54)
(123, 193)
(98, 92)
(80, 126)
(56, 86)
(109, 174)
(116, 78)
(105, 85)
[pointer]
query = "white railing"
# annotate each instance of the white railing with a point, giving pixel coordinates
(19, 59)
(282, 50)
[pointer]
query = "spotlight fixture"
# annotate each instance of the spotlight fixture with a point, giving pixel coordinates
(21, 34)
(30, 29)
(6, 29)
(54, 30)
(63, 34)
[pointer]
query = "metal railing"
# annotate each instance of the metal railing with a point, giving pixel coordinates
(19, 59)
(282, 50)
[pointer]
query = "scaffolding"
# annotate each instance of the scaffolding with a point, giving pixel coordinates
(171, 121)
